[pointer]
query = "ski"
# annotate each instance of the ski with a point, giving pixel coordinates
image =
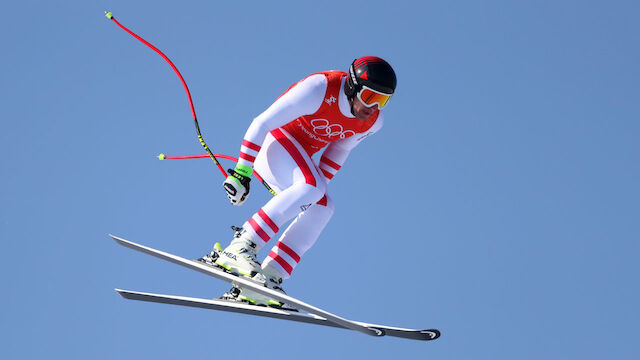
(255, 286)
(242, 308)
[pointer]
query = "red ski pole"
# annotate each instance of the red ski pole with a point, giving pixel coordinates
(186, 88)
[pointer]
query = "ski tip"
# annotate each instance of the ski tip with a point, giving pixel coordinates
(119, 240)
(108, 14)
(162, 156)
(124, 293)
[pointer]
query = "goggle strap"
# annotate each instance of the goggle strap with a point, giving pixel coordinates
(380, 103)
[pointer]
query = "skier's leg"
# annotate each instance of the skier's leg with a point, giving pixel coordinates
(285, 255)
(299, 237)
(291, 169)
(285, 165)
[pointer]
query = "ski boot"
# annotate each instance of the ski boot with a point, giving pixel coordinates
(271, 279)
(240, 257)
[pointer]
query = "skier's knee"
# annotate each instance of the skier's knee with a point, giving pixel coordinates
(307, 192)
(327, 202)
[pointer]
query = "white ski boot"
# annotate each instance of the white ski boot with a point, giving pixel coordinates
(272, 279)
(239, 258)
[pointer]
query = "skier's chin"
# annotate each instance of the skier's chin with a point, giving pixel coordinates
(364, 114)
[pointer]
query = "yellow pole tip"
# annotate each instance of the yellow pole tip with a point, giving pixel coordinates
(161, 157)
(108, 14)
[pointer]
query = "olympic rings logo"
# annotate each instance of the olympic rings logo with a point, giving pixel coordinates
(322, 127)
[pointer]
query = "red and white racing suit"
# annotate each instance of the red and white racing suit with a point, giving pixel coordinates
(312, 114)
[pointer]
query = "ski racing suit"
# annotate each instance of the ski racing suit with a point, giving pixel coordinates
(312, 114)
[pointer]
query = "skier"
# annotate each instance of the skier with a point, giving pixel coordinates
(331, 109)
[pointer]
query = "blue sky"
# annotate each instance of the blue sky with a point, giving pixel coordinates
(499, 203)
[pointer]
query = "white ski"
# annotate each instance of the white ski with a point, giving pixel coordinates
(257, 287)
(243, 308)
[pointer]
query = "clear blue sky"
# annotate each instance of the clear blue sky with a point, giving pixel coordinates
(499, 203)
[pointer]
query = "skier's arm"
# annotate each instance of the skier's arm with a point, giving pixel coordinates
(302, 99)
(337, 152)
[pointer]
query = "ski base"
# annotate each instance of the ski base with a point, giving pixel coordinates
(242, 308)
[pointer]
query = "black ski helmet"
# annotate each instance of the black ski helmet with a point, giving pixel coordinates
(370, 71)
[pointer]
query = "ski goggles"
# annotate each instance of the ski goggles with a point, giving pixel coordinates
(370, 97)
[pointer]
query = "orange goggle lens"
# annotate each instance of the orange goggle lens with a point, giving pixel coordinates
(370, 97)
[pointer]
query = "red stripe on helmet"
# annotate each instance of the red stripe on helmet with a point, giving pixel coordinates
(367, 60)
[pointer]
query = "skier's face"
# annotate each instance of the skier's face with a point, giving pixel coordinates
(362, 112)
